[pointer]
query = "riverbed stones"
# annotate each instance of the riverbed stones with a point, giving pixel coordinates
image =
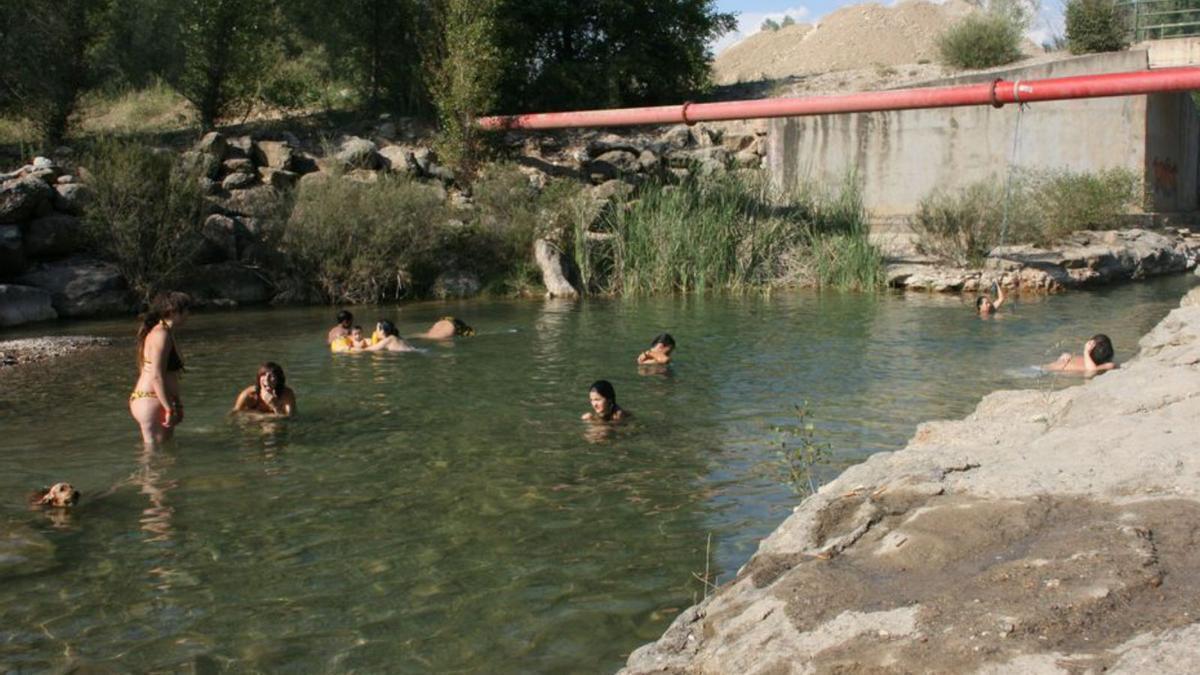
(399, 160)
(274, 154)
(357, 153)
(21, 198)
(238, 181)
(24, 551)
(278, 178)
(72, 197)
(212, 143)
(612, 164)
(81, 287)
(24, 304)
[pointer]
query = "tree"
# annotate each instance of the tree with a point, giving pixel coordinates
(47, 51)
(225, 44)
(769, 24)
(464, 76)
(1095, 26)
(787, 21)
(590, 53)
(377, 43)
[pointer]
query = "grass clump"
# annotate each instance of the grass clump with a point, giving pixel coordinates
(981, 40)
(1096, 26)
(156, 108)
(1043, 207)
(726, 233)
(146, 214)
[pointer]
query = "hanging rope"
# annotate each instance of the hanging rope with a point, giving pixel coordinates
(1012, 167)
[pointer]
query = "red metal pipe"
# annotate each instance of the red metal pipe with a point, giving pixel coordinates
(995, 93)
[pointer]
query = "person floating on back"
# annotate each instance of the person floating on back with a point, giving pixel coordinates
(342, 329)
(660, 351)
(445, 328)
(603, 398)
(1097, 358)
(985, 306)
(269, 395)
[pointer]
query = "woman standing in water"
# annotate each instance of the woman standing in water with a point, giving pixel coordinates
(155, 403)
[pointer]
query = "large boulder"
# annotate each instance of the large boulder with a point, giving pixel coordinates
(262, 201)
(357, 153)
(274, 154)
(21, 198)
(202, 163)
(53, 236)
(81, 287)
(239, 181)
(24, 304)
(400, 160)
(279, 179)
(212, 143)
(72, 198)
(613, 164)
(556, 270)
(228, 283)
(12, 251)
(238, 165)
(220, 234)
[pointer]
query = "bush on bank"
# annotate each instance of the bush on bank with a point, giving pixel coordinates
(1042, 207)
(981, 40)
(728, 233)
(146, 214)
(1096, 26)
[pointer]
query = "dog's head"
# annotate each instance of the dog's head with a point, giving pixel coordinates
(59, 495)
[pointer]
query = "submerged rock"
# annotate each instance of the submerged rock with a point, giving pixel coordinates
(24, 551)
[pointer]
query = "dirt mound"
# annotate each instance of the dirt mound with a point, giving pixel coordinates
(858, 36)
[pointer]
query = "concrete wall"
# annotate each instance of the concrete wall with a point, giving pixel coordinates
(902, 156)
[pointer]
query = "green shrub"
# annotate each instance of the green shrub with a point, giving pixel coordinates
(724, 233)
(146, 214)
(769, 24)
(366, 242)
(1096, 26)
(981, 40)
(1043, 207)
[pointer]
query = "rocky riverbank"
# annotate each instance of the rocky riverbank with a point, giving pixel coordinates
(33, 350)
(1049, 531)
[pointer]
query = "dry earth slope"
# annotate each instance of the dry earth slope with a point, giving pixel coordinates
(1049, 531)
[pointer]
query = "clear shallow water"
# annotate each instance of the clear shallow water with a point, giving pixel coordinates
(448, 511)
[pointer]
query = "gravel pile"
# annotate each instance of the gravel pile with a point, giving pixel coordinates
(32, 350)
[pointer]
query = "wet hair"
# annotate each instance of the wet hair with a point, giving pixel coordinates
(164, 306)
(388, 328)
(276, 372)
(1102, 349)
(979, 302)
(344, 317)
(357, 328)
(605, 389)
(665, 340)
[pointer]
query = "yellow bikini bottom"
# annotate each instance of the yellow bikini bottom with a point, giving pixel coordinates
(142, 394)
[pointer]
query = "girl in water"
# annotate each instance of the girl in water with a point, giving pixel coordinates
(603, 398)
(389, 339)
(1097, 357)
(985, 306)
(269, 394)
(659, 353)
(155, 403)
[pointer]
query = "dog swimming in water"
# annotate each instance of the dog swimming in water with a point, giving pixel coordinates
(59, 496)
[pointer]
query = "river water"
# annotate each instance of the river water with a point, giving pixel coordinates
(447, 510)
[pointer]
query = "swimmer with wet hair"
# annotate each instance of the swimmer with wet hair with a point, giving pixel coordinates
(445, 328)
(269, 395)
(985, 306)
(1097, 358)
(603, 398)
(389, 339)
(342, 329)
(661, 348)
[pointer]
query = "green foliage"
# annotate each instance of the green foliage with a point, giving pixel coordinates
(1096, 26)
(1043, 207)
(47, 50)
(597, 53)
(146, 215)
(981, 40)
(464, 79)
(769, 24)
(802, 454)
(787, 21)
(225, 46)
(723, 233)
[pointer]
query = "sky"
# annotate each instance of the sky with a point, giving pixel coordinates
(751, 14)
